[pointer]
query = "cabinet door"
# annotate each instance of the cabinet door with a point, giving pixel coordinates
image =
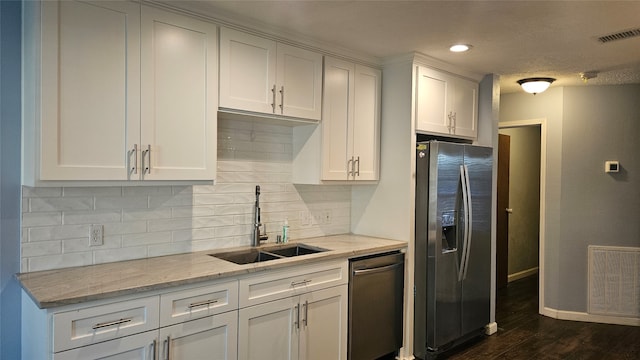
(366, 123)
(213, 337)
(90, 83)
(432, 109)
(299, 82)
(179, 97)
(269, 331)
(324, 324)
(464, 103)
(247, 72)
(337, 115)
(134, 347)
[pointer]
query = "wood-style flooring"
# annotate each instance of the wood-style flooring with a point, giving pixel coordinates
(524, 334)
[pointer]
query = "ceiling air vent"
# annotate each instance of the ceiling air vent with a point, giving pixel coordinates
(619, 35)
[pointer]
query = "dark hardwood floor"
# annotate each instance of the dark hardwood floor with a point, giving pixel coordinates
(523, 334)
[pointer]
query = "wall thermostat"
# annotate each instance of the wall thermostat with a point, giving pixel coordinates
(611, 166)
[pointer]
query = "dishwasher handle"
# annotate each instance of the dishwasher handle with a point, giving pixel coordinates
(377, 269)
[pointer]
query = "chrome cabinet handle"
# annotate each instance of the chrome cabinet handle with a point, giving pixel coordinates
(350, 167)
(202, 303)
(134, 153)
(152, 347)
(297, 283)
(296, 321)
(377, 269)
(357, 172)
(455, 120)
(306, 312)
(111, 323)
(166, 347)
(273, 98)
(282, 100)
(146, 165)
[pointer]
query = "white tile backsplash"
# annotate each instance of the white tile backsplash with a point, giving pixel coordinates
(145, 221)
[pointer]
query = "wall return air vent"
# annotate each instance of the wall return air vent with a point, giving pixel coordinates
(626, 34)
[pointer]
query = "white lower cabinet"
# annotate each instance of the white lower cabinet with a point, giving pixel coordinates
(212, 337)
(309, 326)
(298, 312)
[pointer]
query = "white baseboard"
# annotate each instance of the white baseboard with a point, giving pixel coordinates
(586, 317)
(491, 328)
(522, 274)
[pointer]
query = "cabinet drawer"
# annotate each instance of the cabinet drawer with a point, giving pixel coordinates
(196, 303)
(298, 280)
(139, 346)
(105, 322)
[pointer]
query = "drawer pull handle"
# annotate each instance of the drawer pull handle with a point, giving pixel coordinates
(202, 303)
(303, 282)
(111, 323)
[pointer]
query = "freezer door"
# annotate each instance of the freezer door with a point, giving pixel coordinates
(476, 284)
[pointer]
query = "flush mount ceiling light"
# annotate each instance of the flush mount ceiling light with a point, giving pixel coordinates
(460, 48)
(535, 85)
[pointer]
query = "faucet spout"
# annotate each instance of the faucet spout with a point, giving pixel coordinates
(257, 236)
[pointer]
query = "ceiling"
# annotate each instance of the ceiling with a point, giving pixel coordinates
(515, 39)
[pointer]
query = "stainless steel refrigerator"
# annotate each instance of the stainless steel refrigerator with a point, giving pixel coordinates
(452, 245)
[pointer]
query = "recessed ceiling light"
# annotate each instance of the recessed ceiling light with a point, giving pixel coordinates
(460, 48)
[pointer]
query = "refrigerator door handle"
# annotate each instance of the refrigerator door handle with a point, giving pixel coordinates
(465, 236)
(468, 228)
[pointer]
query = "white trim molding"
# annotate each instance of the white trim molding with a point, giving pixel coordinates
(522, 274)
(585, 317)
(543, 190)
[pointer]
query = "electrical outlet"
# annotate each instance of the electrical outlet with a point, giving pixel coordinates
(326, 217)
(96, 235)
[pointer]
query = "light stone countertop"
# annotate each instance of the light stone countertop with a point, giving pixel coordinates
(67, 286)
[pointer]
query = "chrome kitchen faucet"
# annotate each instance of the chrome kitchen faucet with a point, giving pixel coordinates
(258, 237)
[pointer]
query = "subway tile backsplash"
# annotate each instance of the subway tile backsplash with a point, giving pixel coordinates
(147, 221)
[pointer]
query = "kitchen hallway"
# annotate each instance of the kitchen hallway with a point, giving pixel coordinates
(524, 334)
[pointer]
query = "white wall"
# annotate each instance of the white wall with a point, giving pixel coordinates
(10, 42)
(584, 206)
(146, 221)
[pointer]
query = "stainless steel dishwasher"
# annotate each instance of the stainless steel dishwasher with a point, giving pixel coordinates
(376, 288)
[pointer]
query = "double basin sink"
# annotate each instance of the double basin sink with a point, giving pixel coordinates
(255, 255)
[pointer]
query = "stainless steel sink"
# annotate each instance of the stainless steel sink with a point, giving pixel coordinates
(255, 255)
(249, 256)
(295, 250)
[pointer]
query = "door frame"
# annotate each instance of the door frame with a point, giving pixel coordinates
(542, 122)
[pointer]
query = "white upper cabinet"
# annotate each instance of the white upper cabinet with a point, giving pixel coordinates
(446, 104)
(346, 145)
(179, 97)
(118, 91)
(90, 89)
(262, 76)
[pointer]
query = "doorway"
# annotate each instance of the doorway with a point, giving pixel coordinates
(519, 209)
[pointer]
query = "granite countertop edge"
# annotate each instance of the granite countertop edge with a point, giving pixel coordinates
(68, 286)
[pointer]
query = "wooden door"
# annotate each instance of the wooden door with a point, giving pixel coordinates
(502, 217)
(179, 96)
(269, 331)
(432, 104)
(299, 82)
(323, 325)
(464, 104)
(212, 337)
(90, 115)
(366, 122)
(247, 72)
(338, 114)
